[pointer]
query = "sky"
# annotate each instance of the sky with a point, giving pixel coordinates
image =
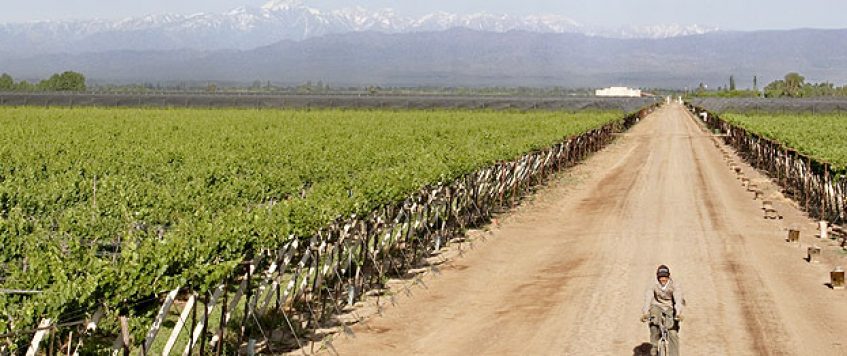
(725, 14)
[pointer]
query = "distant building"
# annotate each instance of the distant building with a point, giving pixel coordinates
(619, 92)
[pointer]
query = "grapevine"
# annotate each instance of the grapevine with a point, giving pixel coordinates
(820, 136)
(106, 206)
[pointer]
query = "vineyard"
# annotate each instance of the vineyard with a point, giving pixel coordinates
(105, 210)
(821, 105)
(821, 136)
(806, 153)
(306, 101)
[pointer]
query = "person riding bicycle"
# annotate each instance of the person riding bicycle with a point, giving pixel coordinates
(663, 303)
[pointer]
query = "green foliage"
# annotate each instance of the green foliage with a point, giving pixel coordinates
(794, 83)
(726, 94)
(67, 81)
(6, 82)
(24, 85)
(114, 205)
(794, 86)
(820, 136)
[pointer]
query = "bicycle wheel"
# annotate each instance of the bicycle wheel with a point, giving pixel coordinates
(663, 347)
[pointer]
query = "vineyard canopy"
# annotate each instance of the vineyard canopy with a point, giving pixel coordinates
(92, 198)
(820, 136)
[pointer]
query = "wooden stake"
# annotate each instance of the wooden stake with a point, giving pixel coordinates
(53, 335)
(808, 176)
(180, 324)
(222, 327)
(202, 342)
(157, 322)
(193, 325)
(246, 308)
(70, 342)
(36, 340)
(125, 334)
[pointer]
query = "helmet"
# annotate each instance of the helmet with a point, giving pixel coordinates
(663, 271)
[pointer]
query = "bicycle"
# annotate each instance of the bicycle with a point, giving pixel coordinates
(663, 346)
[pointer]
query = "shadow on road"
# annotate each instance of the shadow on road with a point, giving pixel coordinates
(642, 350)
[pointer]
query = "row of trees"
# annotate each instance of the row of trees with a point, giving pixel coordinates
(67, 81)
(794, 86)
(729, 91)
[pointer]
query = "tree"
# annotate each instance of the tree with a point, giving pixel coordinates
(731, 83)
(6, 82)
(791, 86)
(24, 85)
(67, 81)
(775, 89)
(794, 83)
(755, 83)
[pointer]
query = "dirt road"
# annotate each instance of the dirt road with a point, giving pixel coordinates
(565, 275)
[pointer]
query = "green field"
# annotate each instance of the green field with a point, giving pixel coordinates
(820, 136)
(185, 193)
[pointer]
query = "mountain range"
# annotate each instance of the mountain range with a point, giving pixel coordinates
(462, 57)
(246, 27)
(288, 43)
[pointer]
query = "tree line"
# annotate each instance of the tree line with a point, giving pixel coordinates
(793, 85)
(67, 81)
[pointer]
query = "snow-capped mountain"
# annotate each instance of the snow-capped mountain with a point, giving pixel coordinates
(653, 32)
(250, 27)
(461, 57)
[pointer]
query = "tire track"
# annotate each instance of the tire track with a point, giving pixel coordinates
(566, 274)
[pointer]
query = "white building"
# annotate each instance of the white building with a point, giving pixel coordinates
(619, 92)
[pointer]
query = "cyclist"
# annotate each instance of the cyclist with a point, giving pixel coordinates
(663, 303)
